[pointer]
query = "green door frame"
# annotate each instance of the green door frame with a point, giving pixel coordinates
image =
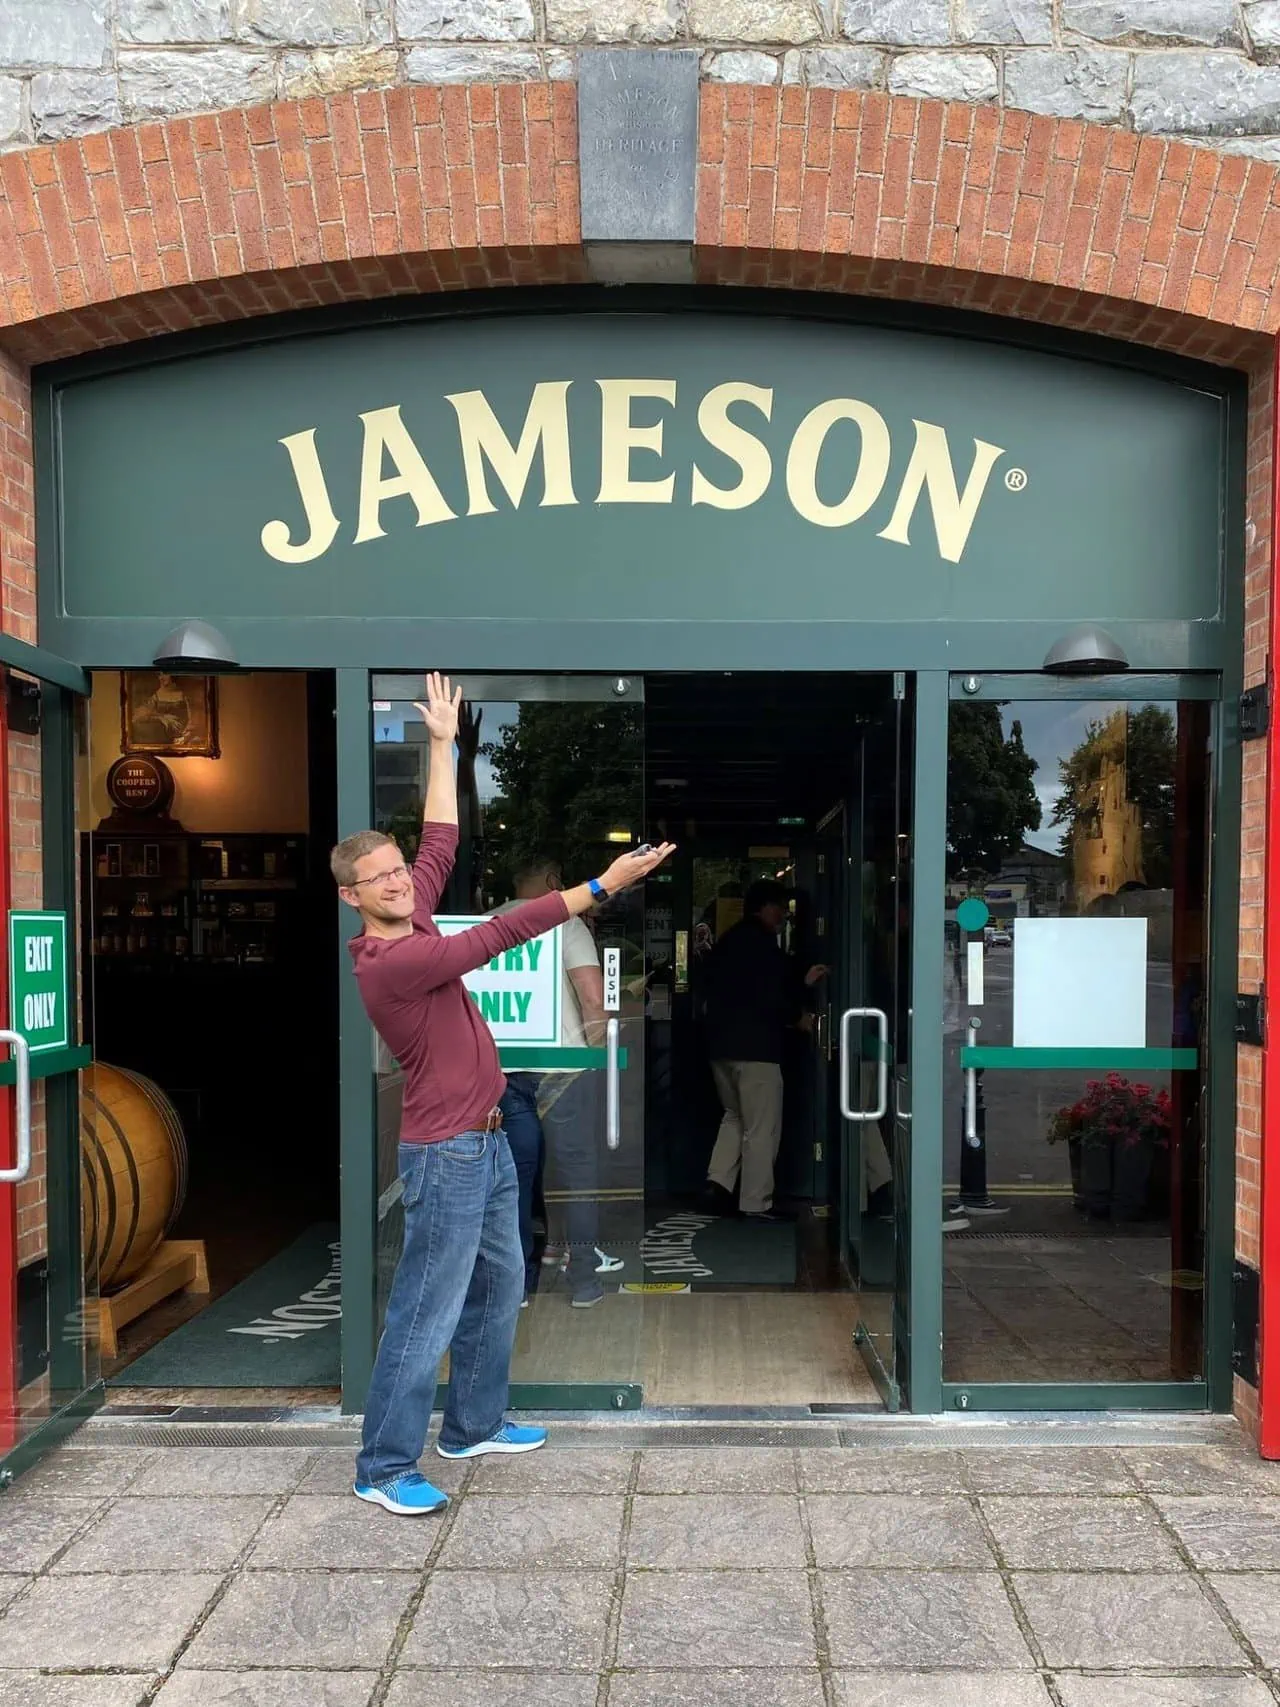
(934, 1394)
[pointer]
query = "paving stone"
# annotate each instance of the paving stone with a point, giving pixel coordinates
(922, 1618)
(1203, 1470)
(193, 1472)
(1110, 1619)
(715, 1689)
(493, 1689)
(938, 1689)
(336, 1620)
(168, 1535)
(38, 1689)
(1047, 1470)
(1047, 1532)
(1253, 1600)
(902, 1471)
(891, 1530)
(504, 1532)
(83, 1471)
(1231, 1534)
(718, 1470)
(133, 1623)
(334, 1472)
(333, 1532)
(268, 1689)
(570, 1471)
(31, 1531)
(555, 1619)
(10, 1585)
(1202, 1690)
(691, 1530)
(716, 1619)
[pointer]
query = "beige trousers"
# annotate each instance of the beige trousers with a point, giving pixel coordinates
(750, 1093)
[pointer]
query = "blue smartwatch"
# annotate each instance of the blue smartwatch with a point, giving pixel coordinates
(598, 890)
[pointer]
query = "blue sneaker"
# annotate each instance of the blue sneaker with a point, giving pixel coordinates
(408, 1496)
(509, 1438)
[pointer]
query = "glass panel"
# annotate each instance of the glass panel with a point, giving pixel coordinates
(550, 773)
(1075, 967)
(49, 1348)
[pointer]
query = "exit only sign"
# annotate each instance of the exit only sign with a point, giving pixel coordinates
(38, 982)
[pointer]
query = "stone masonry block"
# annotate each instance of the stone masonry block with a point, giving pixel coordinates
(1262, 22)
(157, 84)
(1197, 23)
(69, 35)
(1205, 94)
(1018, 23)
(897, 23)
(785, 21)
(614, 20)
(835, 67)
(473, 65)
(69, 103)
(159, 22)
(331, 71)
(944, 76)
(300, 23)
(10, 109)
(741, 68)
(465, 20)
(1076, 84)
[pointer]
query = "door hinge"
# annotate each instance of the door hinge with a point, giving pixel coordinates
(817, 1152)
(1245, 1310)
(1255, 711)
(899, 684)
(22, 699)
(1251, 1018)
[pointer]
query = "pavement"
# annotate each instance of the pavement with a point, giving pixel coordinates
(973, 1574)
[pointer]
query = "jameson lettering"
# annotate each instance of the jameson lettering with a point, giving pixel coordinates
(667, 1248)
(319, 1307)
(854, 477)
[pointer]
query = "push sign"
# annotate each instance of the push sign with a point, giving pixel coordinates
(38, 984)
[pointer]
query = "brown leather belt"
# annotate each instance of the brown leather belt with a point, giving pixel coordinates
(493, 1120)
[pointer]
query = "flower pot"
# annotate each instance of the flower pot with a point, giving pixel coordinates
(1095, 1174)
(1131, 1179)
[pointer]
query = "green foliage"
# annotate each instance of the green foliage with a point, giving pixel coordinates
(991, 797)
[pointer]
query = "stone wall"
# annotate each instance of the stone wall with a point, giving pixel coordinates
(1207, 70)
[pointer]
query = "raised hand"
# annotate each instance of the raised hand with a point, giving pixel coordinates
(443, 704)
(629, 868)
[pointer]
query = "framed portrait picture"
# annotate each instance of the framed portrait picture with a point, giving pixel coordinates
(171, 716)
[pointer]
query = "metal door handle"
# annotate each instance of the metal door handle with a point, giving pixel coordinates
(612, 1087)
(971, 1092)
(22, 1073)
(865, 1115)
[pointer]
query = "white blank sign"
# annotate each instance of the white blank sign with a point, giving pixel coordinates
(1080, 984)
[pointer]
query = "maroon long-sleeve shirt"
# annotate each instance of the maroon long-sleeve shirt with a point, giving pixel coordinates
(413, 992)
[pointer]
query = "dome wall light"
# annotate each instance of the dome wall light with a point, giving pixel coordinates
(1086, 651)
(197, 647)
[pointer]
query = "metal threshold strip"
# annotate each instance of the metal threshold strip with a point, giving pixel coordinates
(647, 1430)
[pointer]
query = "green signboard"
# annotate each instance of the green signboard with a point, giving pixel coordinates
(518, 994)
(39, 985)
(684, 469)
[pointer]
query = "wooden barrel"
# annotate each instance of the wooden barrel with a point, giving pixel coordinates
(133, 1171)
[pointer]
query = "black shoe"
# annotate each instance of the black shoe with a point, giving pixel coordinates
(716, 1200)
(774, 1217)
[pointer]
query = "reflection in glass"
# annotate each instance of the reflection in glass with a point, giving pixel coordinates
(1074, 1248)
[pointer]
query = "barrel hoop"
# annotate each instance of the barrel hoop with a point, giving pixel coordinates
(89, 1186)
(108, 1183)
(173, 1132)
(136, 1209)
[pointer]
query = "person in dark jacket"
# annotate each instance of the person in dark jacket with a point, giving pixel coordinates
(753, 993)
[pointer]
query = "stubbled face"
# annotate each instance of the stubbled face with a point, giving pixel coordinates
(383, 890)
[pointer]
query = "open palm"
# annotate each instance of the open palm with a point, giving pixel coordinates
(441, 708)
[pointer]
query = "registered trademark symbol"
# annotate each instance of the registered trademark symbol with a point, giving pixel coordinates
(1016, 479)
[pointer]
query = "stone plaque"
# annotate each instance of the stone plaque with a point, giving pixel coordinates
(638, 131)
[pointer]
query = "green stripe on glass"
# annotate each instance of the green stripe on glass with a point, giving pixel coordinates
(533, 1059)
(1107, 1060)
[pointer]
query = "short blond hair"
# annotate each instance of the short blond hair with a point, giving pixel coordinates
(343, 859)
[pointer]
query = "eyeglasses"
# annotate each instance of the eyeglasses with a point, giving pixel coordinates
(382, 878)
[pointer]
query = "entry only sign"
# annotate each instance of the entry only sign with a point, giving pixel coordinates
(39, 986)
(518, 993)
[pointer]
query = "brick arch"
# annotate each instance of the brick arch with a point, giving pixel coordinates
(124, 234)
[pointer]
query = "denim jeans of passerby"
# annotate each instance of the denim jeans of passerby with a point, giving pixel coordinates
(572, 1106)
(524, 1135)
(457, 1288)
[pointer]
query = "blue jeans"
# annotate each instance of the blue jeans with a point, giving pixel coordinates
(458, 1288)
(524, 1135)
(573, 1124)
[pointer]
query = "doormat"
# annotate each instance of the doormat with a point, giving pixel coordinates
(709, 1250)
(280, 1327)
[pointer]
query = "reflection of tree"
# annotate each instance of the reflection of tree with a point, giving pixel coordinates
(1140, 748)
(991, 798)
(566, 775)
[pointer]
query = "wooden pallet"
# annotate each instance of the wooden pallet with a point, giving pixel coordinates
(177, 1265)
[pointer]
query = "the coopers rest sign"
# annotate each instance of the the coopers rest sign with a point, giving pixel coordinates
(673, 468)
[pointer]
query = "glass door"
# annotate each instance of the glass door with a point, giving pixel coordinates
(48, 1311)
(1076, 1058)
(551, 789)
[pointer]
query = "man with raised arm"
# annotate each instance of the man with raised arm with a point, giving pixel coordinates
(460, 1278)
